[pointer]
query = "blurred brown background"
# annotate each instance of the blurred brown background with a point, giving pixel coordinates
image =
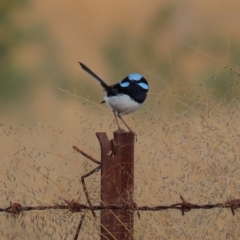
(168, 42)
(187, 129)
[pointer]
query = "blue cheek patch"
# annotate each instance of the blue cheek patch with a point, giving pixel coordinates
(143, 85)
(135, 76)
(124, 84)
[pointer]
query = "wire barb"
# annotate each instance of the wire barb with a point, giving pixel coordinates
(75, 206)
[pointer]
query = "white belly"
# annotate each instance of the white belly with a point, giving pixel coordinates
(122, 104)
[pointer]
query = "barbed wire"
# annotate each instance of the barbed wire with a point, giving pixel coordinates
(74, 206)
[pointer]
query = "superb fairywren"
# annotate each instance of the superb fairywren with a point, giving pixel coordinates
(124, 97)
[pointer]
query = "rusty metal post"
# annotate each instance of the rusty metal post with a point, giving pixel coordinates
(117, 184)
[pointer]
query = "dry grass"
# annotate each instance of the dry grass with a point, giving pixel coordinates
(193, 151)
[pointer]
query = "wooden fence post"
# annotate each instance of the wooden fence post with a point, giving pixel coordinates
(117, 184)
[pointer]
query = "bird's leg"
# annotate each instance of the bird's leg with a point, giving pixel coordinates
(126, 124)
(119, 129)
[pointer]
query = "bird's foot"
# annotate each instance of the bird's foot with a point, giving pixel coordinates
(120, 130)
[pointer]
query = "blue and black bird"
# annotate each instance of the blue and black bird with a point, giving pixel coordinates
(124, 97)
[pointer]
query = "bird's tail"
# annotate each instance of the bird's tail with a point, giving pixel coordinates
(84, 67)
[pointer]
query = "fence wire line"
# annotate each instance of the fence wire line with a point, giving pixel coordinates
(73, 206)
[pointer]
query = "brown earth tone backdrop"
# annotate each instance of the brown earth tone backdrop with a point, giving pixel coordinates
(188, 130)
